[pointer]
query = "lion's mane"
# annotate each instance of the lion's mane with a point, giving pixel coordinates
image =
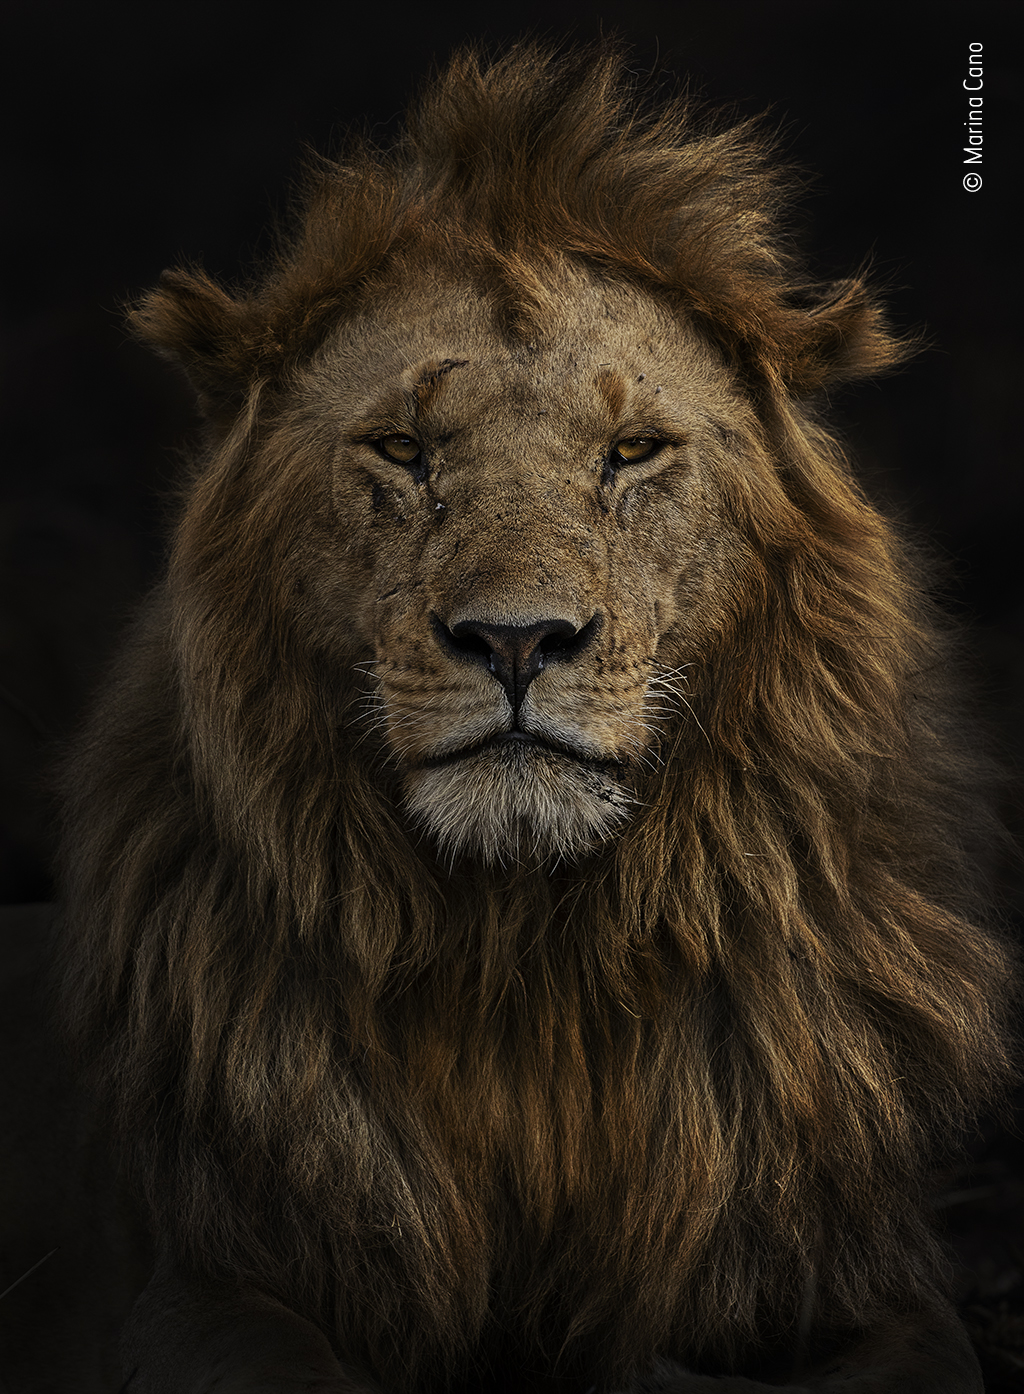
(689, 1084)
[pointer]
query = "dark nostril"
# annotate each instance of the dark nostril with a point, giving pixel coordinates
(464, 641)
(557, 642)
(514, 653)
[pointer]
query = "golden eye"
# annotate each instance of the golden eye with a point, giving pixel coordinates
(403, 450)
(636, 448)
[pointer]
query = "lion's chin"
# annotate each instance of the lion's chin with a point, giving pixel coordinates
(518, 801)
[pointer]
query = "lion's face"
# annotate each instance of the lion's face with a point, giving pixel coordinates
(527, 541)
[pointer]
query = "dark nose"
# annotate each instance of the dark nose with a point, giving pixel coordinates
(515, 653)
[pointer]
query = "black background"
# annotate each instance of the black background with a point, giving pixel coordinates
(140, 136)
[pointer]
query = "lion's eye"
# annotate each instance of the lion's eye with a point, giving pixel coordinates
(403, 450)
(636, 448)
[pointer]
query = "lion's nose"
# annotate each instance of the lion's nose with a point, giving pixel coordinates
(515, 653)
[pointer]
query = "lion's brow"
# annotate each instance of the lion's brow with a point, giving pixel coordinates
(429, 382)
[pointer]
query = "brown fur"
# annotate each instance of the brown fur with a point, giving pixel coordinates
(665, 1080)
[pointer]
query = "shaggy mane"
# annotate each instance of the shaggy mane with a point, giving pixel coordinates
(733, 1038)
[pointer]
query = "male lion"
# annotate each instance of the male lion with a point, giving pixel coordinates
(521, 915)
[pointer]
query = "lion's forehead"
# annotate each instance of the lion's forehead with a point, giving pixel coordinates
(602, 353)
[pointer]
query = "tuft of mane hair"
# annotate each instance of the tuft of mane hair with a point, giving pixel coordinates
(516, 164)
(675, 1085)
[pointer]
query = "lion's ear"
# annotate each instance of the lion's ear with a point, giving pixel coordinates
(195, 322)
(837, 334)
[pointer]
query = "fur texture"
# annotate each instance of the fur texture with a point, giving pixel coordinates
(628, 1035)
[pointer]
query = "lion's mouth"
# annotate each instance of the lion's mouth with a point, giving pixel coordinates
(519, 791)
(521, 745)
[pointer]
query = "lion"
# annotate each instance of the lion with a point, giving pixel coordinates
(523, 911)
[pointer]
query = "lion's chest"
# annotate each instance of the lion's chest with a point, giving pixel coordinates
(525, 1158)
(525, 1185)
